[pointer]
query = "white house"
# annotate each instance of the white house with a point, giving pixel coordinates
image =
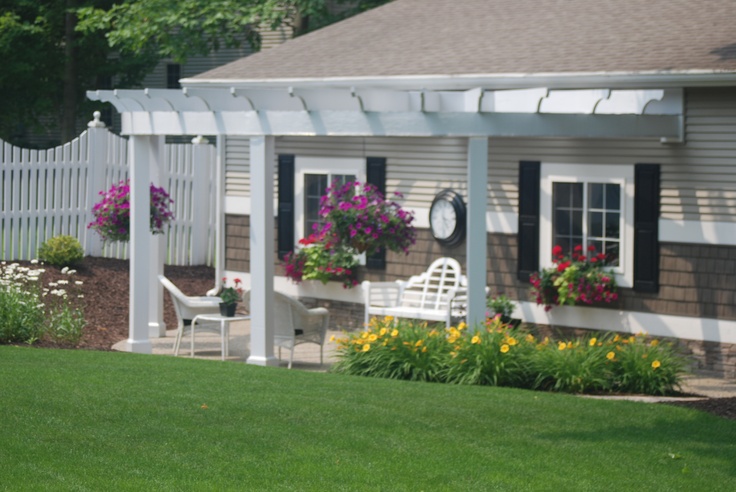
(519, 106)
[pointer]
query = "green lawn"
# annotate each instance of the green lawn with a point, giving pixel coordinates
(83, 420)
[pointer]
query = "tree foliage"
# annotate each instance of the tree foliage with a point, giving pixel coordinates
(54, 50)
(46, 70)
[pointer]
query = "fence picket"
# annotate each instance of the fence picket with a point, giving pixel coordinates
(50, 192)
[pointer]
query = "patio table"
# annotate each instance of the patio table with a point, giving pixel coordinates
(224, 328)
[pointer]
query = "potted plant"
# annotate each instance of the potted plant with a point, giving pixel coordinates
(503, 306)
(580, 279)
(321, 258)
(229, 297)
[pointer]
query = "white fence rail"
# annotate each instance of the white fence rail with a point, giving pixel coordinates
(46, 193)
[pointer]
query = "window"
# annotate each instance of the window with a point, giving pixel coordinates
(313, 176)
(588, 205)
(173, 74)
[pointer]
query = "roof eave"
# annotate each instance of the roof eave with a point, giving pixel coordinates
(580, 80)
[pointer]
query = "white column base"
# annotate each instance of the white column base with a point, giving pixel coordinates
(263, 361)
(156, 330)
(137, 346)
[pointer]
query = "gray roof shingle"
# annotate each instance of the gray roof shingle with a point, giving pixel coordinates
(489, 37)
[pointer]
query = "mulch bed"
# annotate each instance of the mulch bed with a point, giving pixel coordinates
(106, 291)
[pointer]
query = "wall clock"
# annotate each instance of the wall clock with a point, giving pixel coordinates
(447, 218)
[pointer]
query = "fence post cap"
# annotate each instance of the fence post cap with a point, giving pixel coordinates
(96, 122)
(199, 139)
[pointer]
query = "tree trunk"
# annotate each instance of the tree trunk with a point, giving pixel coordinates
(69, 103)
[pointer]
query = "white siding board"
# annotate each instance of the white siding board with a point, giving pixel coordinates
(698, 177)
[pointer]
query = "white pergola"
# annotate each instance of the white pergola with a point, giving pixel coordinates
(265, 113)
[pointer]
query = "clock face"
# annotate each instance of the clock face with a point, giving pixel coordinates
(447, 217)
(443, 219)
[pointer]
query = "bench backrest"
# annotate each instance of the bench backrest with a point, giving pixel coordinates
(429, 290)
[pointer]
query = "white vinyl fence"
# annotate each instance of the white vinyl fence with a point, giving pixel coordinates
(46, 193)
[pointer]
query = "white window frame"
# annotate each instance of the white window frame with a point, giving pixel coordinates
(622, 175)
(320, 165)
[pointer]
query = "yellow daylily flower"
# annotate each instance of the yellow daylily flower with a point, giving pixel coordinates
(656, 364)
(593, 341)
(366, 347)
(611, 355)
(561, 346)
(475, 340)
(504, 348)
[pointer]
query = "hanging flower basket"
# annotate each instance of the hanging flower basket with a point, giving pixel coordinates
(360, 217)
(112, 213)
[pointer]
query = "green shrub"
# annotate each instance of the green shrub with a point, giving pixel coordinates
(498, 354)
(394, 350)
(61, 251)
(574, 366)
(494, 355)
(21, 308)
(30, 311)
(66, 326)
(648, 367)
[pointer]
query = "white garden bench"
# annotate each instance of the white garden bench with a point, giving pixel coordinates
(439, 294)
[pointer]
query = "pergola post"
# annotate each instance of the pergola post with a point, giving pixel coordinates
(159, 177)
(262, 158)
(476, 227)
(142, 154)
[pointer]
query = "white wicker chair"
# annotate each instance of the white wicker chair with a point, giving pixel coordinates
(294, 324)
(187, 308)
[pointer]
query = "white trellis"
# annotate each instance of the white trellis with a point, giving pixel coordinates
(45, 193)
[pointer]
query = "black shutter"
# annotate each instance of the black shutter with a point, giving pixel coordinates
(375, 172)
(528, 236)
(646, 227)
(286, 205)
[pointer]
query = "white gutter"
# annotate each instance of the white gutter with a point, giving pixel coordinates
(572, 80)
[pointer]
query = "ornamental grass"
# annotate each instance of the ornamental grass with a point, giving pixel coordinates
(498, 354)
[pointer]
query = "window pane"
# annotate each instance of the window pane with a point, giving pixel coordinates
(577, 195)
(595, 195)
(341, 179)
(613, 197)
(598, 245)
(565, 244)
(595, 226)
(562, 223)
(314, 187)
(612, 253)
(612, 225)
(562, 194)
(577, 223)
(567, 217)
